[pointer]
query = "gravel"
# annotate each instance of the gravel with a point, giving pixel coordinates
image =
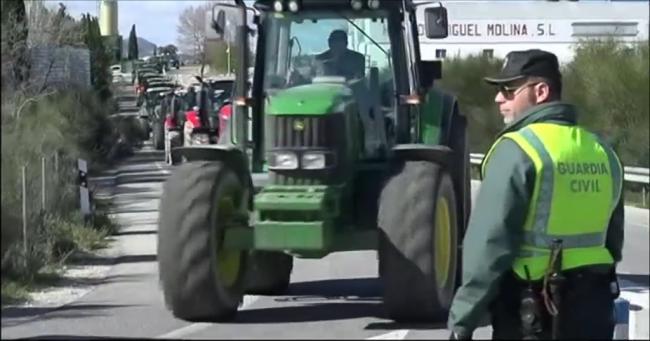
(77, 280)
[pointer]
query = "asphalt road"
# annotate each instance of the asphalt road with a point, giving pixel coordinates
(335, 297)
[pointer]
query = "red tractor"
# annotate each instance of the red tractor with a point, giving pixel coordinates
(202, 115)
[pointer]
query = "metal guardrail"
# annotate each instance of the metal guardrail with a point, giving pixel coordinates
(632, 174)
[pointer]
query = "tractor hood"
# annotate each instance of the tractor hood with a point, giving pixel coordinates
(310, 99)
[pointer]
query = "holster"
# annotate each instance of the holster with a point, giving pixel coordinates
(530, 311)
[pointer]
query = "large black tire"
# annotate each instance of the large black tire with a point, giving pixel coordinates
(269, 273)
(158, 135)
(459, 143)
(417, 214)
(199, 200)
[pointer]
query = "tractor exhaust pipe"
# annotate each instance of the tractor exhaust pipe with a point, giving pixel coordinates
(240, 103)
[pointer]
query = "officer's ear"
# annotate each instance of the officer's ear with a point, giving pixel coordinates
(542, 91)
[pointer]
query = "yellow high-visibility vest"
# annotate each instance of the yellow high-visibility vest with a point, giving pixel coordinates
(578, 183)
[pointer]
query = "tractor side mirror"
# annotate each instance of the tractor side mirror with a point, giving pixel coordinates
(430, 70)
(218, 24)
(435, 22)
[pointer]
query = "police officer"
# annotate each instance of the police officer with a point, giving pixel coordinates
(545, 178)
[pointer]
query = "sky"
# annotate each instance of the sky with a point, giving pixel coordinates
(154, 20)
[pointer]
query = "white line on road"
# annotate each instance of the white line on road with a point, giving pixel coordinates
(394, 335)
(161, 167)
(181, 332)
(197, 327)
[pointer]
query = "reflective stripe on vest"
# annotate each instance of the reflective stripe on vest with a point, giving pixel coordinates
(577, 185)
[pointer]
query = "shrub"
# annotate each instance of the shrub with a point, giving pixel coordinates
(70, 125)
(607, 80)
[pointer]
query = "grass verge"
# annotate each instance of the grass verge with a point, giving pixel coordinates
(42, 264)
(70, 125)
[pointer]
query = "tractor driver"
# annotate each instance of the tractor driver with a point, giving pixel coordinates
(341, 61)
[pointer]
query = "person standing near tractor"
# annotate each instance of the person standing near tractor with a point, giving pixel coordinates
(545, 236)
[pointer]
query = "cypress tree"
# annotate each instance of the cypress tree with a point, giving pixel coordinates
(133, 44)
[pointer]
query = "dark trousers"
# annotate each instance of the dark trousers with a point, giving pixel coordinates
(586, 312)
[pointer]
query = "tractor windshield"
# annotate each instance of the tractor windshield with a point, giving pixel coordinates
(309, 47)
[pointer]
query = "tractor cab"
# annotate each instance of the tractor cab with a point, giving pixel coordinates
(336, 61)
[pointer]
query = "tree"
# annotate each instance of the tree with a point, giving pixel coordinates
(169, 49)
(14, 38)
(133, 44)
(191, 30)
(100, 58)
(55, 27)
(29, 27)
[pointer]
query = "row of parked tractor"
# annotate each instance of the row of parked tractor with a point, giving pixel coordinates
(182, 115)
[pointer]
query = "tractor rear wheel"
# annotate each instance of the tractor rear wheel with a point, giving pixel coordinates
(418, 243)
(269, 273)
(201, 280)
(158, 135)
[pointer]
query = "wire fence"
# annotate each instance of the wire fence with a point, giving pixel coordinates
(50, 186)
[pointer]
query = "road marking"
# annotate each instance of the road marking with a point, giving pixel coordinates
(161, 167)
(394, 335)
(197, 327)
(181, 332)
(638, 297)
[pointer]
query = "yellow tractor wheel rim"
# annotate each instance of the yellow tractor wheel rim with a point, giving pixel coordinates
(228, 262)
(442, 243)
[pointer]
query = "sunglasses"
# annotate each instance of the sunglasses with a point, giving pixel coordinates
(509, 92)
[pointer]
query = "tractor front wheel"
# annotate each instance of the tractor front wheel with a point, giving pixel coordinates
(200, 279)
(158, 135)
(418, 243)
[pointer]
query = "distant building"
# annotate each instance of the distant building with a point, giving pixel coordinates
(497, 27)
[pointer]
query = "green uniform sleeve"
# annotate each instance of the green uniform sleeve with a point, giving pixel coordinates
(494, 233)
(615, 231)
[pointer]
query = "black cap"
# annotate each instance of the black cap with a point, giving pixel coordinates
(522, 64)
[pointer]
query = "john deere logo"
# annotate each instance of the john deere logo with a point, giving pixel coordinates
(299, 125)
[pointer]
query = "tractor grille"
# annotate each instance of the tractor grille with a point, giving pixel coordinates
(316, 132)
(306, 132)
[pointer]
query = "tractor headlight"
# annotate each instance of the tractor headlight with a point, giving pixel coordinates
(373, 4)
(283, 160)
(278, 6)
(313, 161)
(356, 4)
(293, 6)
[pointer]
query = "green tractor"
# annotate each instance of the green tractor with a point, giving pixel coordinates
(319, 163)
